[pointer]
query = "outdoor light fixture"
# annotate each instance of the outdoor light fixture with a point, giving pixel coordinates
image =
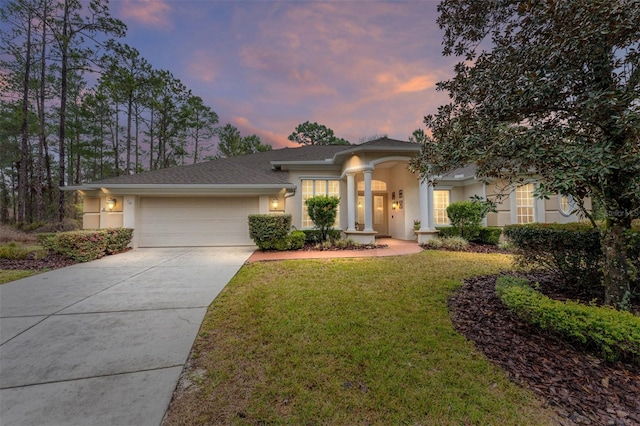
(111, 204)
(274, 203)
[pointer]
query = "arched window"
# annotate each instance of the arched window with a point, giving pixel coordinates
(376, 185)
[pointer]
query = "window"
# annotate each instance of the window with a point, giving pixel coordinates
(525, 203)
(440, 204)
(314, 187)
(376, 185)
(566, 204)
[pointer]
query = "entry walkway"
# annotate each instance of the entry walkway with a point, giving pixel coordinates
(394, 248)
(104, 342)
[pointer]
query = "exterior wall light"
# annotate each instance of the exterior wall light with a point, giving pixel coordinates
(274, 203)
(394, 205)
(111, 204)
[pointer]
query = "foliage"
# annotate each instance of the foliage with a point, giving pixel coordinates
(14, 275)
(232, 144)
(87, 245)
(572, 252)
(315, 134)
(614, 334)
(269, 231)
(13, 250)
(322, 209)
(454, 243)
(315, 236)
(467, 216)
(489, 235)
(546, 90)
(434, 243)
(296, 240)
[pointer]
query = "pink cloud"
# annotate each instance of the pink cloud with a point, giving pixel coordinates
(152, 13)
(203, 66)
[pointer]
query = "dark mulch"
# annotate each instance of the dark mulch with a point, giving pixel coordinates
(582, 388)
(51, 261)
(474, 248)
(320, 247)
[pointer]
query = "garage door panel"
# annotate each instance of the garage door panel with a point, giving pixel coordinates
(170, 222)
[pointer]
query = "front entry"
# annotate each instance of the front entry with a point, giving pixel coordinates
(380, 223)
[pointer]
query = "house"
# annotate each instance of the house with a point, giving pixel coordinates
(207, 204)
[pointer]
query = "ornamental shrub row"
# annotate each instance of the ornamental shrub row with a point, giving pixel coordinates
(315, 236)
(614, 334)
(87, 245)
(572, 252)
(484, 235)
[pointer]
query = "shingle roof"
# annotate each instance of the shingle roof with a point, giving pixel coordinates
(252, 169)
(242, 170)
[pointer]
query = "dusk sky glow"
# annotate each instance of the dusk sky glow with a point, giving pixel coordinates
(358, 67)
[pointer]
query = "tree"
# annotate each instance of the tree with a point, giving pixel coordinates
(232, 144)
(322, 210)
(418, 136)
(557, 97)
(315, 134)
(200, 121)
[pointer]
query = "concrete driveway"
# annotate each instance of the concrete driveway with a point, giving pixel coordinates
(104, 342)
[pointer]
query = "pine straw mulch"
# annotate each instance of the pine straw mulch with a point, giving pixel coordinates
(51, 261)
(583, 389)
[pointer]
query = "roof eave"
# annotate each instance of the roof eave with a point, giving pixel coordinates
(183, 189)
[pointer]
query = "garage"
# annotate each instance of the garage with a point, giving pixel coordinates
(195, 221)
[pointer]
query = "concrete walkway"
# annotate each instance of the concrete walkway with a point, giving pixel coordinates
(104, 342)
(394, 248)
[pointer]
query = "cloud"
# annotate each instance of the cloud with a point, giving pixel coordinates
(151, 13)
(202, 66)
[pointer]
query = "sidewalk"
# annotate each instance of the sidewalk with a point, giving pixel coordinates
(395, 248)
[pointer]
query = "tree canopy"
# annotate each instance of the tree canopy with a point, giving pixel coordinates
(232, 144)
(547, 90)
(315, 134)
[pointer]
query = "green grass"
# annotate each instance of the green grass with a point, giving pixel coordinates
(348, 341)
(12, 275)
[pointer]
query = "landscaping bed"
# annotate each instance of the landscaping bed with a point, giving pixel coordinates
(51, 261)
(582, 388)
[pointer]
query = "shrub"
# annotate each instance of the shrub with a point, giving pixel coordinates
(467, 216)
(572, 252)
(87, 245)
(314, 235)
(454, 243)
(82, 246)
(434, 243)
(296, 240)
(614, 334)
(448, 231)
(118, 239)
(489, 235)
(322, 210)
(269, 230)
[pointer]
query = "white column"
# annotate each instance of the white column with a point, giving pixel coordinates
(431, 222)
(352, 201)
(424, 205)
(368, 202)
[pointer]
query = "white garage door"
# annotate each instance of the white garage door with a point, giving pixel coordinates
(184, 222)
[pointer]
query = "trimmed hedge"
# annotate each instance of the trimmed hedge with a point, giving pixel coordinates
(614, 334)
(87, 245)
(485, 234)
(269, 231)
(572, 251)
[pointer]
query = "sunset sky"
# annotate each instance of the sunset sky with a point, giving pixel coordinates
(358, 67)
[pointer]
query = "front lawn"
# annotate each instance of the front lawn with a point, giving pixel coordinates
(347, 341)
(7, 276)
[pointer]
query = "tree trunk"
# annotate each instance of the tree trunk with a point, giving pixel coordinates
(24, 146)
(618, 270)
(63, 109)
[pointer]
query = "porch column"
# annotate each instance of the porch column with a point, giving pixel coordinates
(352, 201)
(426, 206)
(368, 202)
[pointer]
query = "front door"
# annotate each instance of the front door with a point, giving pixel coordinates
(380, 214)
